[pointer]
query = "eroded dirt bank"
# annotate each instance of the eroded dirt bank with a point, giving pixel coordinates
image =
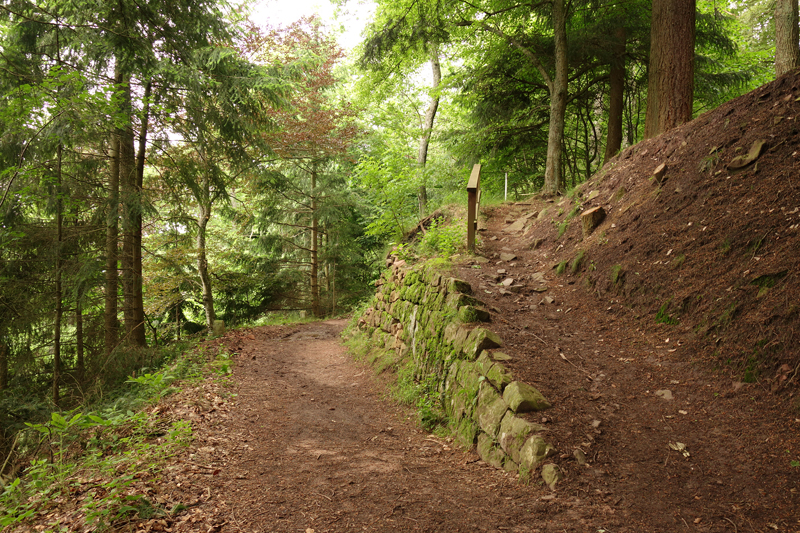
(311, 443)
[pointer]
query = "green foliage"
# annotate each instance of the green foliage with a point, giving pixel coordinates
(663, 316)
(444, 239)
(421, 393)
(562, 267)
(617, 274)
(577, 262)
(562, 227)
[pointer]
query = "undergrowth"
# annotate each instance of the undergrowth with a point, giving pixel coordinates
(86, 461)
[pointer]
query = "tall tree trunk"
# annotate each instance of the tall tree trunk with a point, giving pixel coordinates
(138, 293)
(203, 216)
(3, 365)
(80, 364)
(553, 174)
(131, 222)
(670, 82)
(79, 360)
(616, 96)
(112, 241)
(787, 40)
(427, 128)
(58, 288)
(315, 307)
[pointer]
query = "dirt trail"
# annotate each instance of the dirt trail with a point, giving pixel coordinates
(310, 443)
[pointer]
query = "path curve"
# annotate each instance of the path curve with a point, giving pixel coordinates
(311, 443)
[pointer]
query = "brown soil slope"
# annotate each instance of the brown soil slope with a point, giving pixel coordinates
(717, 249)
(675, 330)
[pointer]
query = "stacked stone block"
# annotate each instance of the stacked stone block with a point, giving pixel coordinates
(432, 320)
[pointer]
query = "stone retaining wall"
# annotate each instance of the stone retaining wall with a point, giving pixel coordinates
(429, 319)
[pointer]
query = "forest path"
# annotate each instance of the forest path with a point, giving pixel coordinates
(310, 443)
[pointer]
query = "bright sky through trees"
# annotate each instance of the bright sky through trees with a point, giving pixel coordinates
(347, 20)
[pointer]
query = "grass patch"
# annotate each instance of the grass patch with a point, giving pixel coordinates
(577, 263)
(562, 227)
(678, 261)
(561, 267)
(409, 389)
(767, 281)
(617, 274)
(663, 316)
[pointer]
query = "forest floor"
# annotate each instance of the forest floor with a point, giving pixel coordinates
(665, 341)
(305, 438)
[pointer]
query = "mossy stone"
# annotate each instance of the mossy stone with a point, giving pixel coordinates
(466, 433)
(469, 313)
(458, 285)
(489, 451)
(533, 452)
(490, 410)
(523, 398)
(480, 339)
(514, 433)
(509, 465)
(552, 474)
(499, 376)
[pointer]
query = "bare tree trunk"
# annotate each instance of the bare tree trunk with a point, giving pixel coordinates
(138, 292)
(616, 96)
(315, 307)
(58, 288)
(427, 128)
(127, 183)
(132, 312)
(3, 365)
(112, 238)
(80, 364)
(553, 174)
(670, 83)
(787, 40)
(203, 216)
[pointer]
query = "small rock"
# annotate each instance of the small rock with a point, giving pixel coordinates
(579, 456)
(507, 257)
(547, 300)
(665, 394)
(507, 282)
(501, 271)
(551, 475)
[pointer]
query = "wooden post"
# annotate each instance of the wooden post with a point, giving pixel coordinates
(473, 200)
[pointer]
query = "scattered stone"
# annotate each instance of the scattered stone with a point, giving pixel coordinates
(501, 271)
(592, 195)
(592, 218)
(664, 394)
(480, 260)
(518, 225)
(551, 475)
(660, 173)
(507, 257)
(507, 282)
(547, 300)
(580, 456)
(523, 398)
(742, 161)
